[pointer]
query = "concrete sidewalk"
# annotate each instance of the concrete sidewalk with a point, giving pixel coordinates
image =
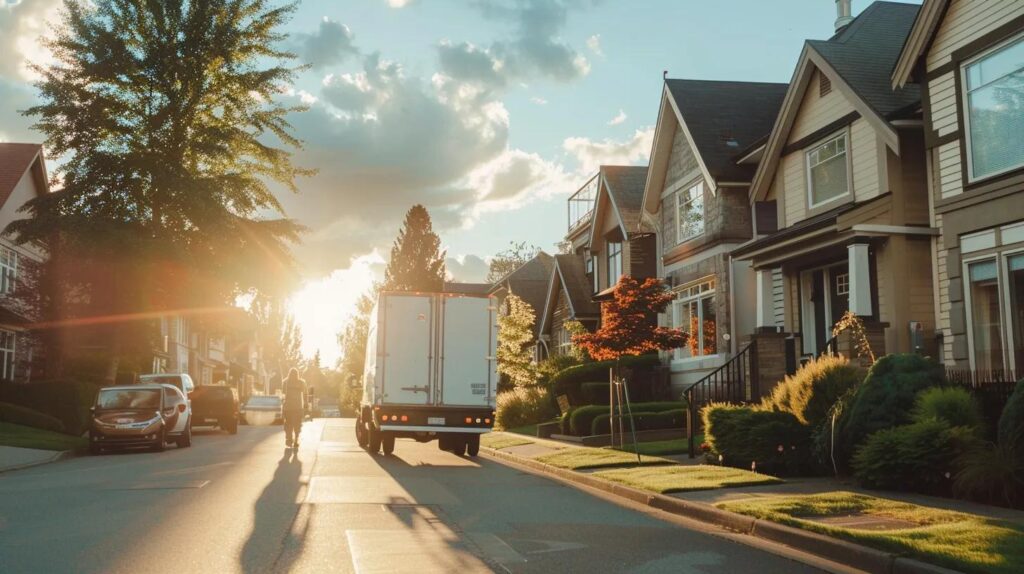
(14, 458)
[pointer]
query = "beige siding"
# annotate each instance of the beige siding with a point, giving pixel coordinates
(778, 297)
(942, 99)
(794, 182)
(883, 261)
(817, 112)
(864, 151)
(919, 285)
(943, 327)
(949, 176)
(967, 20)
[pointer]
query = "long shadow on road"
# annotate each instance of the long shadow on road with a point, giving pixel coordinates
(274, 514)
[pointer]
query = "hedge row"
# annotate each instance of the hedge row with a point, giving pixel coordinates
(25, 416)
(775, 440)
(65, 400)
(569, 381)
(673, 419)
(581, 419)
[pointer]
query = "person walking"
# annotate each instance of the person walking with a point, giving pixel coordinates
(294, 407)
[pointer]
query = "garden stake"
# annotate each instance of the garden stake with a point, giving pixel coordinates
(632, 423)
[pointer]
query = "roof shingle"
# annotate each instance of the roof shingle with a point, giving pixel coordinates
(15, 160)
(626, 184)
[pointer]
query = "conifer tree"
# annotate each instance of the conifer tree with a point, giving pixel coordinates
(417, 262)
(515, 335)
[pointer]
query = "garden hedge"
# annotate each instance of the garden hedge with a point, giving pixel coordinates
(954, 405)
(742, 435)
(594, 393)
(1011, 422)
(64, 399)
(581, 419)
(644, 421)
(25, 416)
(568, 381)
(810, 393)
(920, 457)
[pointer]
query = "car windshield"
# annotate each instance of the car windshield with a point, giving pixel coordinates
(128, 399)
(163, 380)
(265, 401)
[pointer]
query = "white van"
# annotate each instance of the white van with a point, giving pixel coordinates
(180, 380)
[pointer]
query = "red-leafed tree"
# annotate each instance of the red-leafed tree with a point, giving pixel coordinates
(629, 324)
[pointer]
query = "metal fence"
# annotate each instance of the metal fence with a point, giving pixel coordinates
(733, 382)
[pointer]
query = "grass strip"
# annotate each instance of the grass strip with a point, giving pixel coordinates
(584, 458)
(666, 479)
(965, 542)
(498, 440)
(27, 437)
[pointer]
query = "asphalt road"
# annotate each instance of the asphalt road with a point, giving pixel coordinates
(246, 504)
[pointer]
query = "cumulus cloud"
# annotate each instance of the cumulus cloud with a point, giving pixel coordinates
(539, 101)
(467, 268)
(591, 154)
(22, 25)
(14, 127)
(618, 119)
(399, 3)
(331, 44)
(594, 45)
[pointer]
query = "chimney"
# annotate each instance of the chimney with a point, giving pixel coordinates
(843, 17)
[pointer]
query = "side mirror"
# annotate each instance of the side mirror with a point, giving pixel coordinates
(181, 407)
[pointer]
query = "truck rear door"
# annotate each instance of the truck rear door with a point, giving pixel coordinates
(407, 362)
(467, 355)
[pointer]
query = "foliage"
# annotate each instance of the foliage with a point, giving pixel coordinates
(581, 419)
(574, 329)
(595, 393)
(965, 542)
(66, 400)
(278, 334)
(168, 120)
(19, 415)
(667, 479)
(568, 381)
(885, 399)
(28, 437)
(353, 345)
(349, 396)
(810, 393)
(953, 405)
(644, 421)
(515, 338)
(629, 323)
(920, 456)
(1011, 422)
(851, 321)
(505, 262)
(552, 365)
(417, 262)
(823, 435)
(991, 473)
(522, 406)
(743, 435)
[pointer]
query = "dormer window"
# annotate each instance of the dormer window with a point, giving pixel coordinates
(993, 111)
(828, 171)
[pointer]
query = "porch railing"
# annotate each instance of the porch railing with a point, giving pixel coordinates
(733, 382)
(991, 388)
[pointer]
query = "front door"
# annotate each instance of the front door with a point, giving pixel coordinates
(825, 297)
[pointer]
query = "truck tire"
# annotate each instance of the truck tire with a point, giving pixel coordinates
(444, 442)
(232, 427)
(473, 445)
(459, 446)
(388, 443)
(360, 428)
(374, 440)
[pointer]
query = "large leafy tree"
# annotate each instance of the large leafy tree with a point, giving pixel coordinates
(278, 334)
(168, 116)
(507, 261)
(417, 262)
(353, 340)
(515, 336)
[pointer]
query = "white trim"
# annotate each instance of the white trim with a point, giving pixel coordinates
(687, 189)
(843, 134)
(1011, 356)
(895, 229)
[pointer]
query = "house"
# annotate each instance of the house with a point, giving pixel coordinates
(529, 282)
(570, 297)
(844, 172)
(707, 144)
(966, 57)
(23, 177)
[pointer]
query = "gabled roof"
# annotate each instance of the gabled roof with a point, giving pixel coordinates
(724, 118)
(918, 40)
(857, 60)
(530, 283)
(15, 161)
(622, 186)
(570, 277)
(537, 268)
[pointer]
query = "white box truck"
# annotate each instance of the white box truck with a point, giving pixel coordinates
(431, 371)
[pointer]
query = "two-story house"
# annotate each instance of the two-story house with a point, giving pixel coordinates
(844, 171)
(530, 283)
(620, 242)
(967, 59)
(707, 144)
(23, 177)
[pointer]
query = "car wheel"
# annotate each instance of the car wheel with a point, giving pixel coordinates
(233, 427)
(473, 445)
(374, 440)
(94, 448)
(185, 440)
(360, 428)
(161, 441)
(388, 443)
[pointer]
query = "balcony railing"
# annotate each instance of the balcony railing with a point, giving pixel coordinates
(581, 204)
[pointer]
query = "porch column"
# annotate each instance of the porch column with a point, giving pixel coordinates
(860, 280)
(765, 307)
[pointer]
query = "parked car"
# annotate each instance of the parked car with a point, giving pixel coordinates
(180, 380)
(140, 416)
(263, 410)
(215, 405)
(330, 412)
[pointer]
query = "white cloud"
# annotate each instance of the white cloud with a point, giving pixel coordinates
(467, 268)
(592, 154)
(539, 101)
(618, 119)
(331, 43)
(22, 26)
(399, 3)
(594, 45)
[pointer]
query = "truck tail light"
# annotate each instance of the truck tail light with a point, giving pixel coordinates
(469, 420)
(487, 421)
(405, 419)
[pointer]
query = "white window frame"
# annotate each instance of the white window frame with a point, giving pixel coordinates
(685, 190)
(1002, 261)
(845, 136)
(8, 270)
(705, 288)
(8, 356)
(613, 278)
(965, 107)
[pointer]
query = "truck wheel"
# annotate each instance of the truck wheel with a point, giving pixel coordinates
(374, 442)
(473, 445)
(444, 442)
(459, 446)
(388, 443)
(233, 426)
(360, 428)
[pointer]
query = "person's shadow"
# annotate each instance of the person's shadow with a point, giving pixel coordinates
(274, 515)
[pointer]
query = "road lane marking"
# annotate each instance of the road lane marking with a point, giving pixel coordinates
(412, 551)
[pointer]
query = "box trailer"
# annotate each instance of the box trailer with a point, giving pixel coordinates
(430, 372)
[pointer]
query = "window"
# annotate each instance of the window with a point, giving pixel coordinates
(693, 311)
(843, 284)
(827, 171)
(8, 270)
(986, 321)
(690, 212)
(614, 262)
(1015, 275)
(994, 110)
(564, 341)
(7, 348)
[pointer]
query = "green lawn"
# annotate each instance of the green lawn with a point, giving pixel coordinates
(499, 440)
(581, 458)
(28, 437)
(664, 447)
(665, 479)
(528, 430)
(956, 540)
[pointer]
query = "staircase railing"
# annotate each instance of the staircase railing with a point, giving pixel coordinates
(733, 382)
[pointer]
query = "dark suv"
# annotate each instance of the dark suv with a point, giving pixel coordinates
(215, 405)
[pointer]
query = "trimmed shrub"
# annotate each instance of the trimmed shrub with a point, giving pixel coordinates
(991, 473)
(595, 393)
(553, 365)
(25, 416)
(567, 381)
(920, 456)
(645, 421)
(523, 406)
(1011, 422)
(885, 399)
(581, 420)
(64, 399)
(953, 405)
(811, 391)
(775, 440)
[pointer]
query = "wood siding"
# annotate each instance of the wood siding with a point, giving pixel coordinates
(816, 111)
(968, 20)
(868, 174)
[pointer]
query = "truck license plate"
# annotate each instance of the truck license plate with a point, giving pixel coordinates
(435, 420)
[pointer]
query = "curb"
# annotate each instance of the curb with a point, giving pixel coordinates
(60, 455)
(834, 549)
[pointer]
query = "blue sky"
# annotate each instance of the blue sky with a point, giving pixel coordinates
(489, 112)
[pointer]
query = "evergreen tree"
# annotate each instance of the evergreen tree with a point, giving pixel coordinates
(515, 338)
(417, 262)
